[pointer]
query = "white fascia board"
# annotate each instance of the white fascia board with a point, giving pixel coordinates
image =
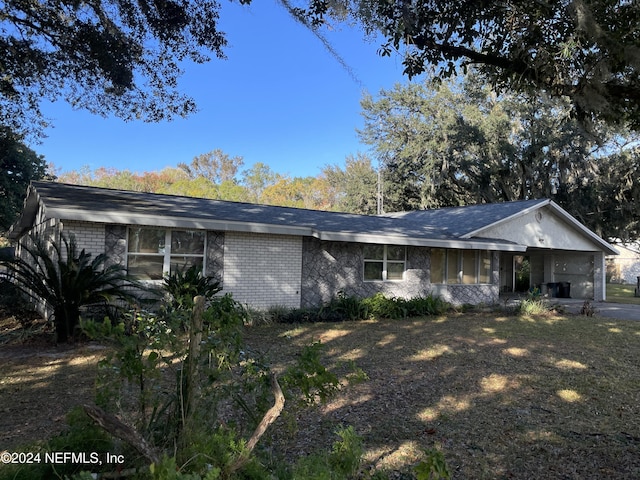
(124, 218)
(27, 218)
(418, 242)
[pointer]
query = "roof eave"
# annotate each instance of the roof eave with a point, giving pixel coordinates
(254, 227)
(126, 218)
(27, 217)
(418, 241)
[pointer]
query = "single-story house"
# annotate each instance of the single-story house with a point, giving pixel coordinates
(269, 255)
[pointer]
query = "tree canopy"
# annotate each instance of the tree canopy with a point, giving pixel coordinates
(585, 50)
(354, 187)
(124, 57)
(111, 57)
(462, 144)
(216, 166)
(18, 166)
(215, 175)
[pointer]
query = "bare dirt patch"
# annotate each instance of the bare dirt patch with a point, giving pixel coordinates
(40, 382)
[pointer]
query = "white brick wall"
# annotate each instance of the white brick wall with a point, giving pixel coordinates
(89, 235)
(263, 270)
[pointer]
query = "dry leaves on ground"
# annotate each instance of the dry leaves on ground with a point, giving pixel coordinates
(500, 396)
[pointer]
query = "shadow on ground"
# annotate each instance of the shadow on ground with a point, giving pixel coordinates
(501, 396)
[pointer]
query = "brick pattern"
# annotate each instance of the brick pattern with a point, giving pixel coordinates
(215, 256)
(263, 270)
(459, 294)
(115, 244)
(89, 235)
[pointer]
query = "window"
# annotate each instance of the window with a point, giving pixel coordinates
(384, 262)
(438, 264)
(469, 266)
(453, 266)
(153, 253)
(460, 266)
(484, 273)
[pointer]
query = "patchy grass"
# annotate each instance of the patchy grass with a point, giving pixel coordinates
(622, 293)
(501, 397)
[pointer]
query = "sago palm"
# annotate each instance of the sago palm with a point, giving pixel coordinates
(66, 280)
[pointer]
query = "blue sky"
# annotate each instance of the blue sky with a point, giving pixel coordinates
(279, 98)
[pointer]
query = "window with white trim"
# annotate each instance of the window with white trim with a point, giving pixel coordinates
(460, 266)
(384, 262)
(153, 253)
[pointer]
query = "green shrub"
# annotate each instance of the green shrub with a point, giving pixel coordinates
(348, 307)
(185, 284)
(345, 307)
(343, 462)
(434, 467)
(170, 385)
(82, 436)
(533, 306)
(346, 454)
(429, 305)
(66, 279)
(380, 306)
(310, 376)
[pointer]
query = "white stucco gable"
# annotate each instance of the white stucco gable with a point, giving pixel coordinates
(545, 226)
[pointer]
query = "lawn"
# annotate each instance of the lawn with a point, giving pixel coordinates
(500, 396)
(622, 293)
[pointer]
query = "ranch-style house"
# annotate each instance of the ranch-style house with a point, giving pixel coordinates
(268, 255)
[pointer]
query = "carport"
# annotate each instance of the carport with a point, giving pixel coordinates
(556, 273)
(563, 257)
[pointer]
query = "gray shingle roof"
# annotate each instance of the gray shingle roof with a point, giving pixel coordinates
(71, 201)
(459, 222)
(448, 227)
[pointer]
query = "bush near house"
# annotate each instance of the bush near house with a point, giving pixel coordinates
(66, 279)
(345, 307)
(184, 285)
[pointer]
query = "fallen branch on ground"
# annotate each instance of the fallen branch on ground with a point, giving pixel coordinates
(272, 414)
(121, 430)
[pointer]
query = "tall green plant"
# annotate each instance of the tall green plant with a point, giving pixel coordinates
(168, 386)
(194, 397)
(185, 284)
(66, 278)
